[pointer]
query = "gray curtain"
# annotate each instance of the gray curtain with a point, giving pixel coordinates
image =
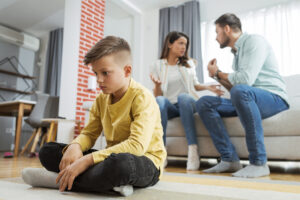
(53, 62)
(184, 18)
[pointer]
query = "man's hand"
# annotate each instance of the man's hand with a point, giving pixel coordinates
(212, 67)
(67, 176)
(72, 154)
(216, 89)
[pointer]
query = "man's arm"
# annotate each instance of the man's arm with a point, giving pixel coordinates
(223, 80)
(219, 76)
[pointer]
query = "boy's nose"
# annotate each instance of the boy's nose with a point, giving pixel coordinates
(99, 79)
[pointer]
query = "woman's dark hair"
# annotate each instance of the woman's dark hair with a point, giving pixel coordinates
(231, 20)
(170, 39)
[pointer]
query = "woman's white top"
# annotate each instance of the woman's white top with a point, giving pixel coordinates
(175, 79)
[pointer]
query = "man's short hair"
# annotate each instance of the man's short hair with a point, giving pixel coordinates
(106, 46)
(231, 20)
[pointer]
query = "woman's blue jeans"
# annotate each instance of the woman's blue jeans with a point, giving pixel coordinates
(251, 105)
(185, 108)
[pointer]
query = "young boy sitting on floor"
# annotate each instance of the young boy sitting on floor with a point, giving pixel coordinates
(128, 115)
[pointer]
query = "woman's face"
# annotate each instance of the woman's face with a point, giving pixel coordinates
(178, 47)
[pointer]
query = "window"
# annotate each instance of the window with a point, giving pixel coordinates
(278, 24)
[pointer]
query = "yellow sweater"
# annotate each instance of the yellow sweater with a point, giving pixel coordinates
(131, 125)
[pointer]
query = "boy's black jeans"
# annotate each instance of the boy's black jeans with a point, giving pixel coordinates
(115, 170)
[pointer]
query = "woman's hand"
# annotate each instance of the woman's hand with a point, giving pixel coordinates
(215, 89)
(157, 82)
(72, 154)
(67, 176)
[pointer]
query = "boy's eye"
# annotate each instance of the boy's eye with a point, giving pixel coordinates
(95, 73)
(105, 73)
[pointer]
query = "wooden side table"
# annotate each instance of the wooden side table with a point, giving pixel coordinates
(52, 131)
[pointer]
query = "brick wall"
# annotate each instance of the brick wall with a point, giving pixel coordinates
(91, 31)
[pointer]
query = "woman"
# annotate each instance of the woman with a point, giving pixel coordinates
(175, 86)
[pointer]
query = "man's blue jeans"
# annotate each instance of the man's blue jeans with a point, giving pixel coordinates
(251, 105)
(185, 108)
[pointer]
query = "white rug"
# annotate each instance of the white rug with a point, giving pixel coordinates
(173, 187)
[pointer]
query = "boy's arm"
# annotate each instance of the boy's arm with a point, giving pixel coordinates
(144, 112)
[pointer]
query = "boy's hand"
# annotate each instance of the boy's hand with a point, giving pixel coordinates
(215, 89)
(72, 154)
(67, 176)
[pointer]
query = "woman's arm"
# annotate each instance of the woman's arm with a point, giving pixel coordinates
(157, 91)
(212, 88)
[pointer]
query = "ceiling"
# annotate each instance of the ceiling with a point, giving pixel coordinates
(145, 5)
(36, 17)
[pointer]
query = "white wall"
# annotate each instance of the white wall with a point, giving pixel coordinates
(68, 88)
(119, 27)
(149, 54)
(212, 9)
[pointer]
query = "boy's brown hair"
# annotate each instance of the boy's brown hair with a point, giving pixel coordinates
(106, 46)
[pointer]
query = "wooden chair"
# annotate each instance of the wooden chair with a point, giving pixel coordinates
(46, 106)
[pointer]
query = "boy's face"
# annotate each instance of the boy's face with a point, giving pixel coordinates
(112, 73)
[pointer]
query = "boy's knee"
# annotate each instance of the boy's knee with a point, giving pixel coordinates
(120, 165)
(49, 151)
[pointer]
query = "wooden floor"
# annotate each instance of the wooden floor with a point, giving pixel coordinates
(284, 171)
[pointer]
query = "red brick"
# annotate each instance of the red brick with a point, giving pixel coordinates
(87, 4)
(79, 113)
(86, 22)
(82, 85)
(86, 13)
(82, 75)
(92, 29)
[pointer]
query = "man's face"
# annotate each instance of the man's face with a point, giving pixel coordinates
(111, 75)
(222, 38)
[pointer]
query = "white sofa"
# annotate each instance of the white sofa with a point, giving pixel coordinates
(281, 131)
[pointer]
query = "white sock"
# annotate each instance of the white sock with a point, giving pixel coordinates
(224, 166)
(124, 190)
(166, 163)
(193, 162)
(253, 171)
(40, 177)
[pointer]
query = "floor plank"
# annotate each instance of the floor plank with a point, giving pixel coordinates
(284, 171)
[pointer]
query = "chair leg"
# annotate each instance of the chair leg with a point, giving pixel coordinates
(50, 131)
(43, 139)
(29, 141)
(36, 140)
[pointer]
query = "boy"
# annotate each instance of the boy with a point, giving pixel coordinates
(130, 119)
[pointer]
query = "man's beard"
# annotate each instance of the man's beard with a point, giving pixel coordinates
(225, 43)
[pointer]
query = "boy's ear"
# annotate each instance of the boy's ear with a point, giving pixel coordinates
(127, 70)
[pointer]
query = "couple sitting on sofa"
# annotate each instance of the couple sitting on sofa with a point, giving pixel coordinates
(256, 88)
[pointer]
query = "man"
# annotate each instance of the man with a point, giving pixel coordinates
(257, 92)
